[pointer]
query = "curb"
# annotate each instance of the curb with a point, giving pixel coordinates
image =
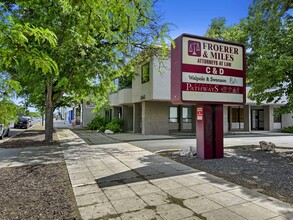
(167, 150)
(21, 131)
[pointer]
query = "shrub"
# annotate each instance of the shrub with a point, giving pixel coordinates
(115, 125)
(98, 123)
(288, 129)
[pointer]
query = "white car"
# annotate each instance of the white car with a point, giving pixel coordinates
(4, 131)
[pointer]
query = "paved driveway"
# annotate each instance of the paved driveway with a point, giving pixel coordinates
(155, 143)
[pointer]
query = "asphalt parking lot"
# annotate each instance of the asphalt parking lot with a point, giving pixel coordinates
(154, 143)
(181, 142)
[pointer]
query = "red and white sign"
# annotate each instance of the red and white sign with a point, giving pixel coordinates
(207, 70)
(199, 113)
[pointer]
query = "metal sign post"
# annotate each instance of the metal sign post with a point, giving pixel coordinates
(208, 73)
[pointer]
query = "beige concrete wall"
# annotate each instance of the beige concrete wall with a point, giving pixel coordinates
(142, 91)
(158, 87)
(155, 118)
(127, 113)
(114, 99)
(137, 117)
(87, 115)
(268, 118)
(123, 96)
(287, 120)
(161, 79)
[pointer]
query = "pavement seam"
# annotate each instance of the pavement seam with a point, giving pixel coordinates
(180, 202)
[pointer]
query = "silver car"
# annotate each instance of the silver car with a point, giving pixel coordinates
(4, 131)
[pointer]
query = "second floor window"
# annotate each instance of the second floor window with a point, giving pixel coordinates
(145, 73)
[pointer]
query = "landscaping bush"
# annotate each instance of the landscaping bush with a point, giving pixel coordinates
(98, 123)
(288, 129)
(116, 125)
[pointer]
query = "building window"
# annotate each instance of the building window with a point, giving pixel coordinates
(145, 73)
(237, 115)
(186, 115)
(173, 114)
(108, 114)
(277, 116)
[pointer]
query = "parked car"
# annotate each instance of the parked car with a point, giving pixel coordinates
(4, 131)
(30, 119)
(22, 122)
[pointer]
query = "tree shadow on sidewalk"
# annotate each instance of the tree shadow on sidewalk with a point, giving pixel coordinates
(267, 172)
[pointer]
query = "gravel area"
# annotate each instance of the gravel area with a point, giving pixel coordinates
(267, 172)
(41, 191)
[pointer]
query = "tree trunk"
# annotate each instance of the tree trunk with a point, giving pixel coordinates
(49, 113)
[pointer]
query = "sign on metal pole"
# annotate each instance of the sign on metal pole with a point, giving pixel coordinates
(207, 71)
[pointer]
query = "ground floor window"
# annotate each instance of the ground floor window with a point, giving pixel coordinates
(237, 118)
(186, 115)
(173, 114)
(108, 114)
(277, 117)
(237, 115)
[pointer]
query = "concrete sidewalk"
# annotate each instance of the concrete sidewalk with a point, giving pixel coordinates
(120, 181)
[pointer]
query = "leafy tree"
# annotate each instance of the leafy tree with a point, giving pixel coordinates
(267, 33)
(270, 61)
(236, 33)
(217, 28)
(16, 47)
(8, 89)
(8, 111)
(94, 39)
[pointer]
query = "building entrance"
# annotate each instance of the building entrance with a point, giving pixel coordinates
(257, 119)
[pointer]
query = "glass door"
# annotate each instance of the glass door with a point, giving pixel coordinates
(257, 119)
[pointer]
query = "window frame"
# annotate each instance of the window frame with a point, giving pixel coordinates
(277, 117)
(187, 119)
(173, 119)
(237, 115)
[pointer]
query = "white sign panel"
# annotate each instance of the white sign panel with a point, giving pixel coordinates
(212, 71)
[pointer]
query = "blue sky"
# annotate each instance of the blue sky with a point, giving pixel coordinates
(194, 16)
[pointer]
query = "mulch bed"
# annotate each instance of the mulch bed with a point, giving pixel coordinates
(266, 172)
(36, 192)
(41, 191)
(27, 138)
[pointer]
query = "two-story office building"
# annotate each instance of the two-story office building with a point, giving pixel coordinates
(146, 107)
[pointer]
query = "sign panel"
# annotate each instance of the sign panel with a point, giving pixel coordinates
(199, 113)
(209, 71)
